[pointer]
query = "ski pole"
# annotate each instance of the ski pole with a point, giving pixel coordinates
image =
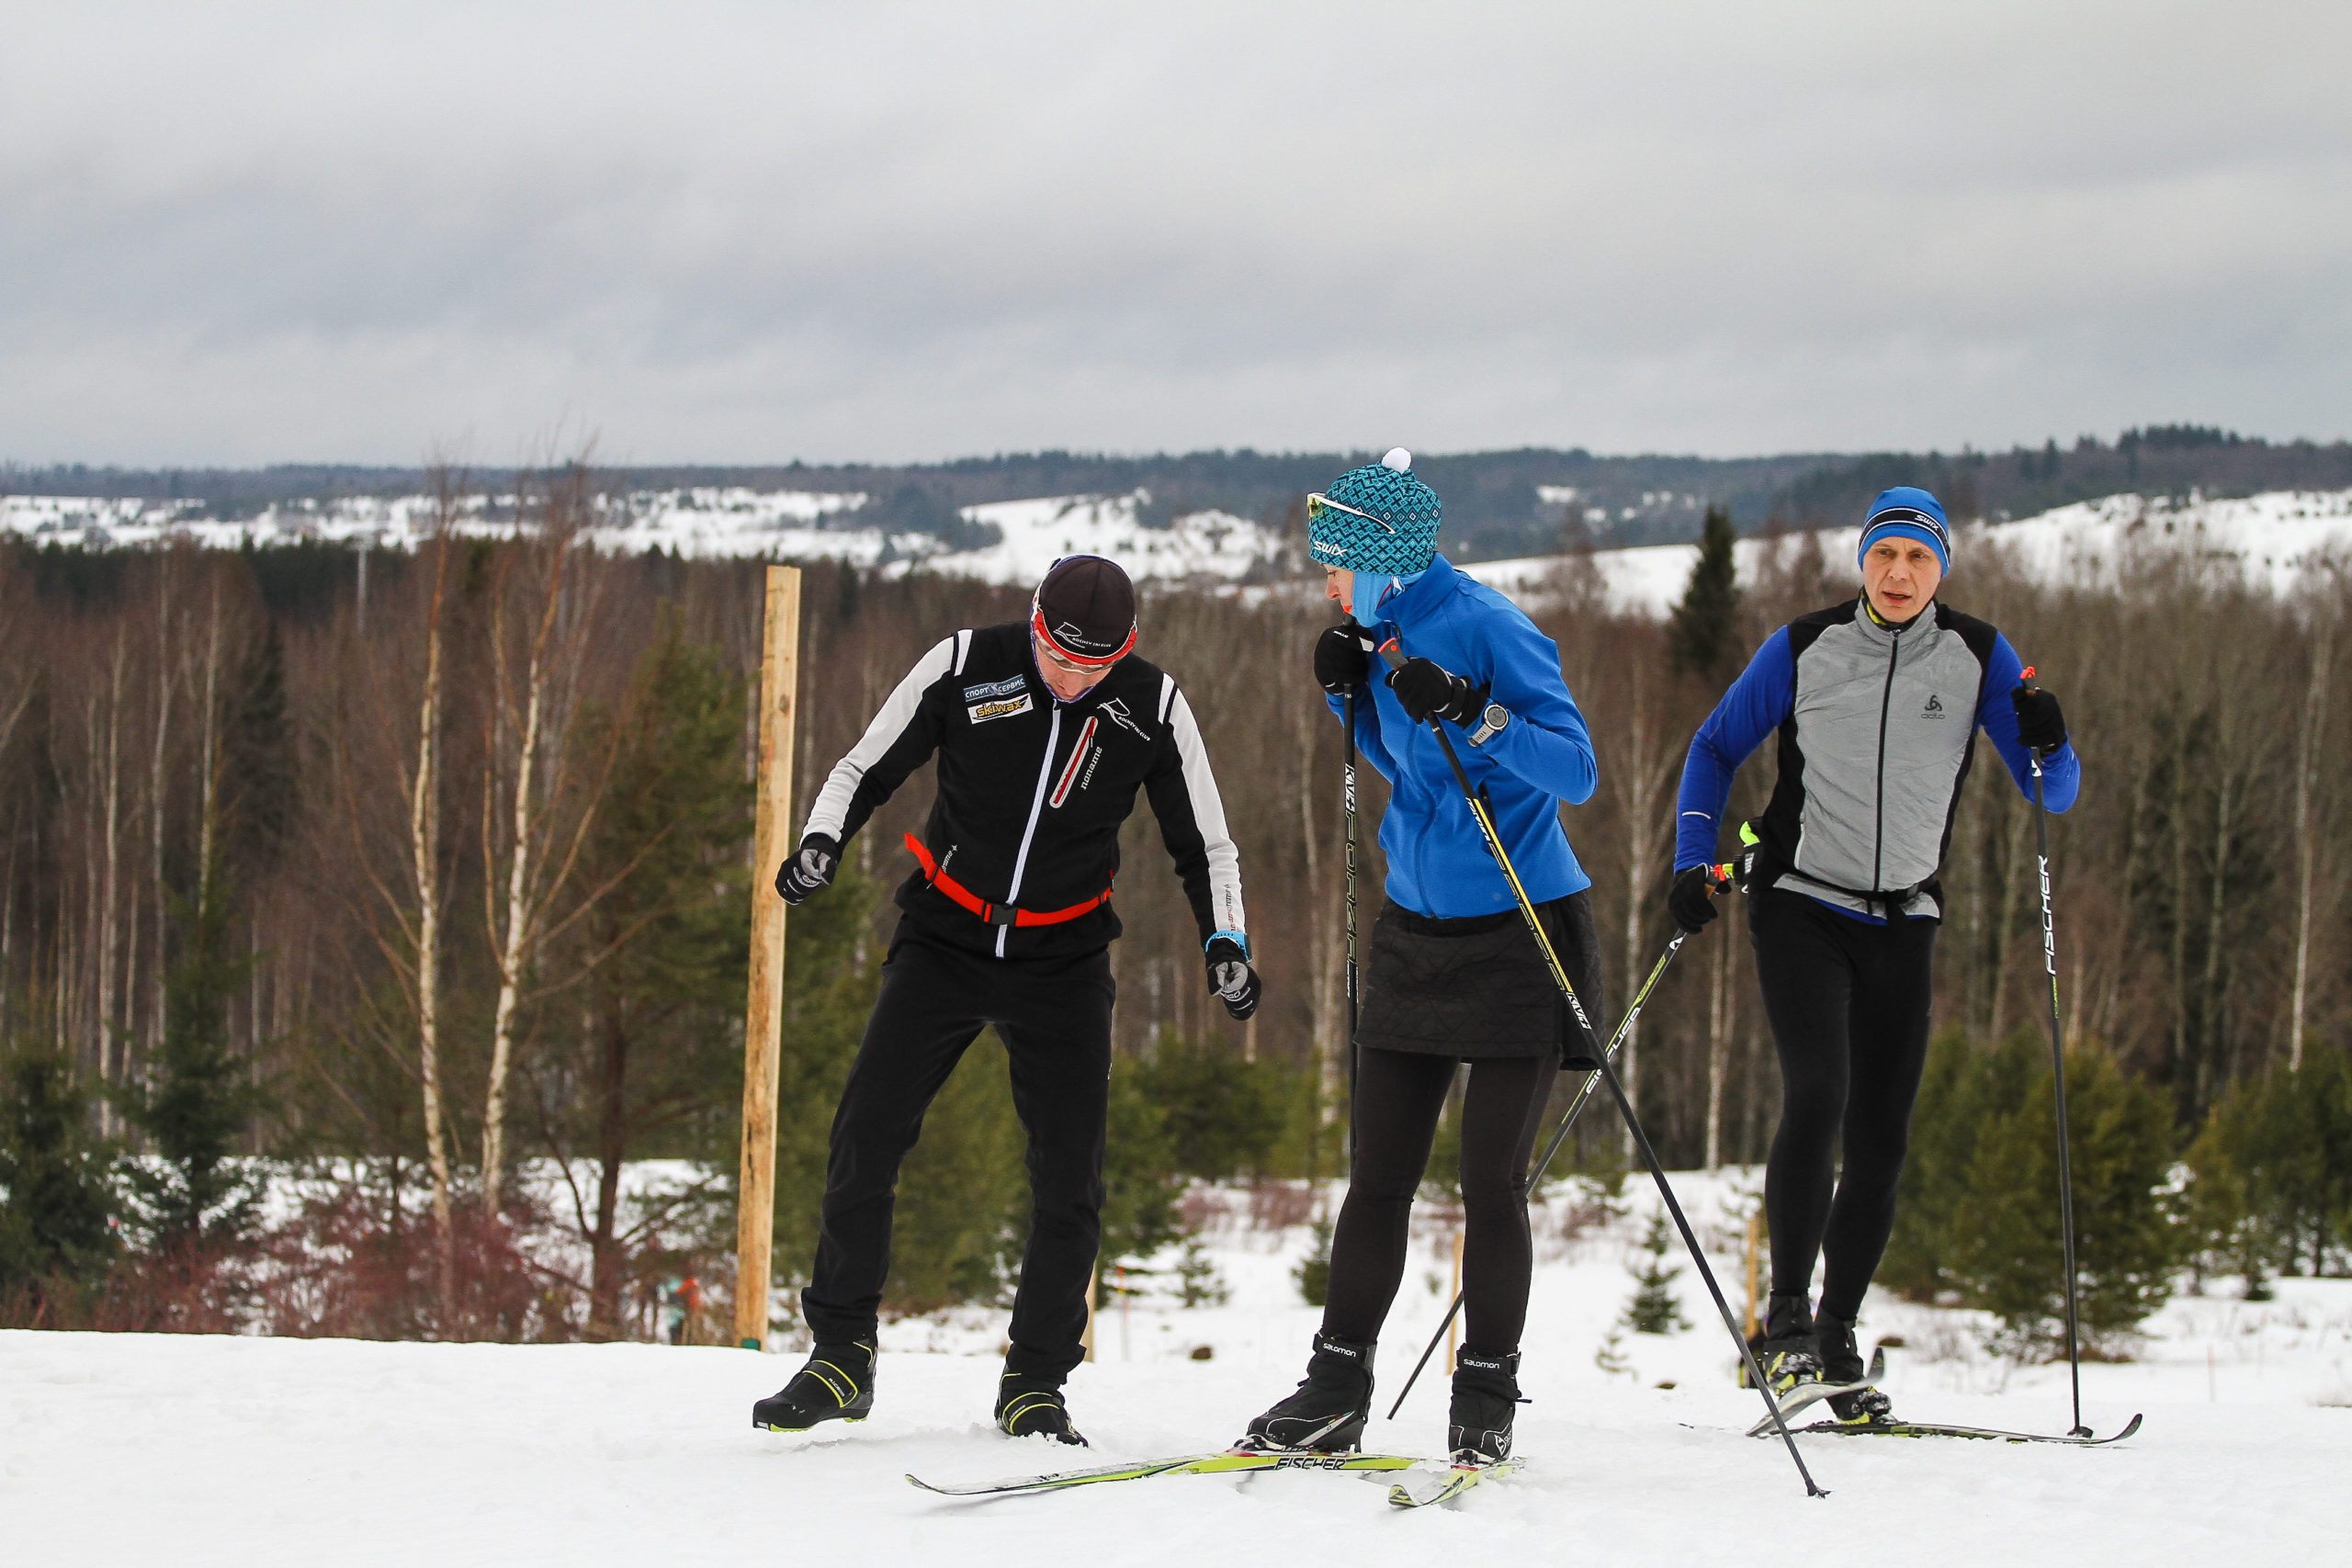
(1486, 829)
(2058, 1070)
(1560, 1134)
(1349, 704)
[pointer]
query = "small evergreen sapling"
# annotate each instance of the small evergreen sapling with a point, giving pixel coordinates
(1654, 1309)
(59, 1202)
(1314, 1271)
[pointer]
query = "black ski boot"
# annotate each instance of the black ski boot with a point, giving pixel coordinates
(1328, 1413)
(1031, 1407)
(1785, 1348)
(1841, 1362)
(837, 1384)
(1486, 1398)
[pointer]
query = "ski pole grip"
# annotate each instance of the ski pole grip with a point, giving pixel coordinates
(1718, 877)
(2025, 677)
(1393, 654)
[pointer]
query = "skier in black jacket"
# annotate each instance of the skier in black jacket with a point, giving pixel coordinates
(1044, 733)
(1877, 703)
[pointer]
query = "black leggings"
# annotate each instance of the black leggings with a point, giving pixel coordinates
(1400, 1095)
(1849, 1003)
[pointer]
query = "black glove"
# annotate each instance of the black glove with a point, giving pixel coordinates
(2040, 725)
(1230, 977)
(810, 868)
(1342, 657)
(1691, 899)
(1425, 689)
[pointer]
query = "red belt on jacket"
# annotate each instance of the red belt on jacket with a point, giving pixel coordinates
(935, 874)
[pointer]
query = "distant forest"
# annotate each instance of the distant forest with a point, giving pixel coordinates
(1498, 503)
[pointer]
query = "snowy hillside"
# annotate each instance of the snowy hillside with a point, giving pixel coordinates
(257, 1453)
(2269, 537)
(772, 525)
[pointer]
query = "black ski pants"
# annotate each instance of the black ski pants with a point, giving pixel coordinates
(1053, 1016)
(1849, 1003)
(1400, 1095)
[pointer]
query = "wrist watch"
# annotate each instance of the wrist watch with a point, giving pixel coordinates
(1491, 723)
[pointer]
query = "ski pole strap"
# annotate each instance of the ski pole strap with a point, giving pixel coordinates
(935, 875)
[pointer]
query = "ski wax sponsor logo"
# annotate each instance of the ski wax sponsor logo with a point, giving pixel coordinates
(1935, 708)
(1077, 756)
(1115, 710)
(1006, 688)
(1004, 708)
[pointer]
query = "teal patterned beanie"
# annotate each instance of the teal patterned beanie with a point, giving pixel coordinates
(1398, 539)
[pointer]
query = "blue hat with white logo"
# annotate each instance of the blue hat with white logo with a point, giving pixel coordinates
(1376, 519)
(1912, 513)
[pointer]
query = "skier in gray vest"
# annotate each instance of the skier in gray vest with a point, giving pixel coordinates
(1877, 702)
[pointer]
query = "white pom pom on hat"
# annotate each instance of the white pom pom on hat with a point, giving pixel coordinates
(1398, 459)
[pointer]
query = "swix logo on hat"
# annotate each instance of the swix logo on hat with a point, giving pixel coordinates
(1085, 611)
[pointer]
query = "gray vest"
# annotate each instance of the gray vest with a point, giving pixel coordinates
(1880, 733)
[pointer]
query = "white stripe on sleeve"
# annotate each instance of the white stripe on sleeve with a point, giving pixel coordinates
(897, 713)
(1208, 816)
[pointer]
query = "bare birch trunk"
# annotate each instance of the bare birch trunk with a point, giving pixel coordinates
(165, 684)
(425, 846)
(2306, 761)
(1642, 786)
(514, 945)
(108, 916)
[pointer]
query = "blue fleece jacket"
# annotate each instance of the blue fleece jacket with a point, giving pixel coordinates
(1438, 861)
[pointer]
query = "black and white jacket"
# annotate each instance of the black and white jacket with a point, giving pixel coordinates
(1033, 790)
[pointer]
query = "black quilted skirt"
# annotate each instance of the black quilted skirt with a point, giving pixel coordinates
(1476, 987)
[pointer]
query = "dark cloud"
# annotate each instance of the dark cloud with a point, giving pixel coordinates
(243, 232)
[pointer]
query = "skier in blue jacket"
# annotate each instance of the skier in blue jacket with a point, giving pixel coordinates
(1877, 703)
(1451, 975)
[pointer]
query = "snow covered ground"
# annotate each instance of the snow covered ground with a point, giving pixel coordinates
(194, 1450)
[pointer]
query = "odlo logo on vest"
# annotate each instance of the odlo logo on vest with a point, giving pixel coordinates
(1935, 708)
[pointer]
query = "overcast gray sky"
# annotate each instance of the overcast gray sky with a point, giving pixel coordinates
(235, 232)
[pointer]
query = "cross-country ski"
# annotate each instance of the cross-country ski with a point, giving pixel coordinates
(1992, 1434)
(1228, 1461)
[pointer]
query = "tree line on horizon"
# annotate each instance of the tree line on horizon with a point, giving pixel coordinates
(1494, 505)
(434, 884)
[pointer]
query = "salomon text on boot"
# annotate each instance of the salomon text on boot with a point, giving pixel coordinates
(1032, 1407)
(1328, 1413)
(1785, 1350)
(1486, 1398)
(837, 1384)
(1841, 1362)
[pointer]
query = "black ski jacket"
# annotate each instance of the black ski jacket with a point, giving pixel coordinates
(1033, 790)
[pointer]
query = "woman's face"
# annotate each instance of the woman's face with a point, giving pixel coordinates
(1340, 586)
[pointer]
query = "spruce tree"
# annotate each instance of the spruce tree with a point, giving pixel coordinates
(1654, 1309)
(57, 1197)
(1700, 635)
(670, 937)
(199, 1101)
(2007, 1244)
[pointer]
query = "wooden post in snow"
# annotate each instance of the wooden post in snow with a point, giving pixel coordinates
(763, 1014)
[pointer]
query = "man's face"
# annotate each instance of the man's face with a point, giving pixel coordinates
(1340, 586)
(1066, 681)
(1900, 574)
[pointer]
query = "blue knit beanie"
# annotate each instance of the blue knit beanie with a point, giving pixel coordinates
(1403, 540)
(1912, 513)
